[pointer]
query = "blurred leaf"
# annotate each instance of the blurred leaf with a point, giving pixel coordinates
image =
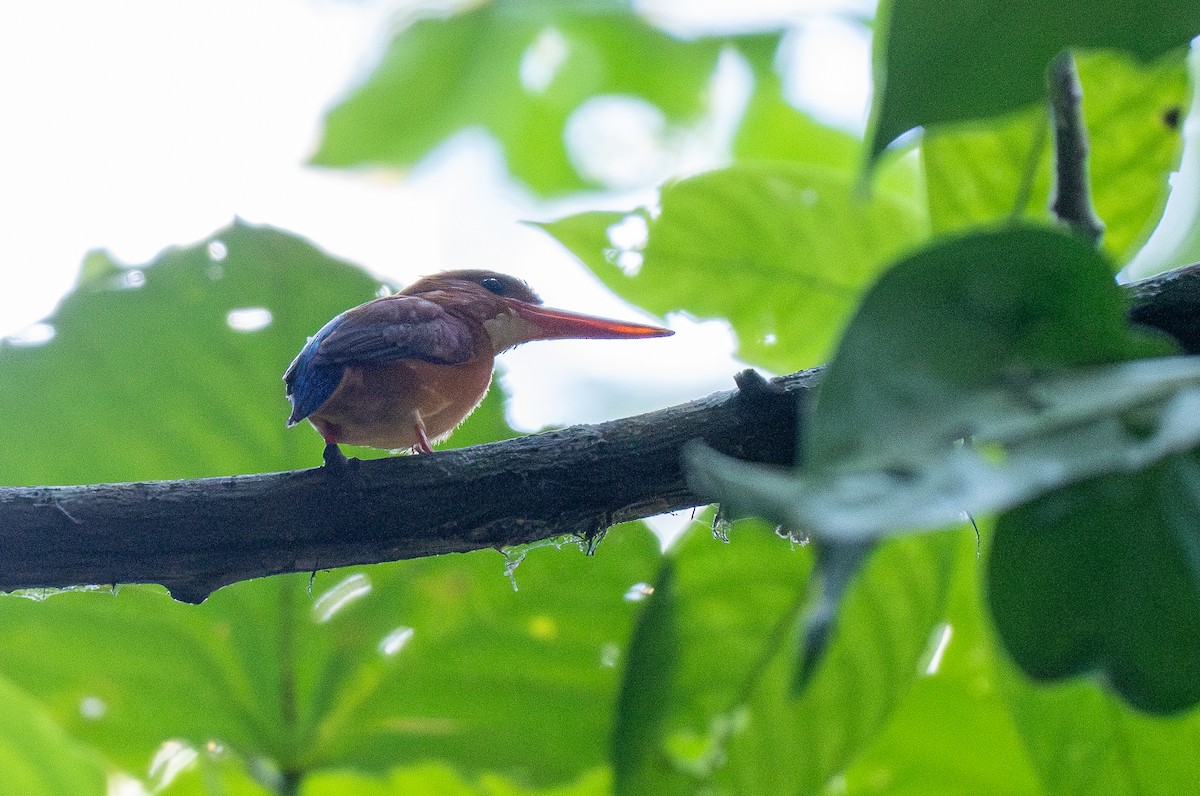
(644, 702)
(795, 746)
(953, 60)
(783, 251)
(973, 338)
(732, 724)
(1105, 577)
(206, 771)
(837, 567)
(774, 129)
(954, 731)
(984, 728)
(438, 779)
(727, 610)
(519, 70)
(979, 339)
(1176, 242)
(1083, 740)
(435, 658)
(1026, 439)
(947, 739)
(146, 378)
(982, 173)
(980, 312)
(37, 757)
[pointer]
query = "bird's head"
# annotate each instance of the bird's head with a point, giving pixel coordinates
(511, 313)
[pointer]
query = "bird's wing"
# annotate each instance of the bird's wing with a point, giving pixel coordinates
(398, 327)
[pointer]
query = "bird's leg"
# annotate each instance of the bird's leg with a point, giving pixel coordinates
(422, 445)
(333, 456)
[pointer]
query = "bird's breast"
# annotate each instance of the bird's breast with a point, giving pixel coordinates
(379, 405)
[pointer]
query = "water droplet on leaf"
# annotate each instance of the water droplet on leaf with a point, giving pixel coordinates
(249, 319)
(328, 604)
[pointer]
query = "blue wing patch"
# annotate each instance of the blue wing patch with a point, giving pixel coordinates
(310, 384)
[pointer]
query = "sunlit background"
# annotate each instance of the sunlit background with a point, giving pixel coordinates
(144, 124)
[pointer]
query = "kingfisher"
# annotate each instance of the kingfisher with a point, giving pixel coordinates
(404, 370)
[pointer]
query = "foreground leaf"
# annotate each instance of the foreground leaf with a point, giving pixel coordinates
(969, 383)
(1027, 439)
(1105, 577)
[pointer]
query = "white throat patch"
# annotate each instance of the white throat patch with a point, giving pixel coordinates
(508, 330)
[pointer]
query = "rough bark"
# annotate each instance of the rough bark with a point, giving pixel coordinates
(195, 536)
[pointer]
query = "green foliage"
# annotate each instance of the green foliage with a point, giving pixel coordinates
(37, 756)
(970, 59)
(440, 76)
(939, 352)
(723, 715)
(1104, 577)
(999, 171)
(782, 251)
(979, 364)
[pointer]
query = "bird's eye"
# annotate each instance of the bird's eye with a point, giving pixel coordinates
(493, 285)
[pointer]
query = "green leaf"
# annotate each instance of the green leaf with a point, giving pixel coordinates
(975, 724)
(1105, 577)
(977, 339)
(434, 778)
(783, 251)
(1177, 240)
(644, 702)
(973, 338)
(954, 732)
(981, 173)
(37, 757)
(1026, 439)
(774, 129)
(146, 378)
(732, 722)
(436, 658)
(441, 76)
(982, 311)
(796, 746)
(1083, 740)
(952, 60)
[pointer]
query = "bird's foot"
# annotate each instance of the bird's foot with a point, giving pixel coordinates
(335, 460)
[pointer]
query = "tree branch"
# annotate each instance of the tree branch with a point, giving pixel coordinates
(195, 536)
(1072, 201)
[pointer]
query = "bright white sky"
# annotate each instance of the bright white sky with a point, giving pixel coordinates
(141, 124)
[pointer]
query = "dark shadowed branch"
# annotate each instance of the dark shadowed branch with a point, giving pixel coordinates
(1072, 200)
(195, 536)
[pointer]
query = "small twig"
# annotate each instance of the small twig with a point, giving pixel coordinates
(1072, 200)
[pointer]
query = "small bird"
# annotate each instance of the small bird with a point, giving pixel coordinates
(403, 371)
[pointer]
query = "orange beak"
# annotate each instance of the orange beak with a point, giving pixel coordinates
(555, 324)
